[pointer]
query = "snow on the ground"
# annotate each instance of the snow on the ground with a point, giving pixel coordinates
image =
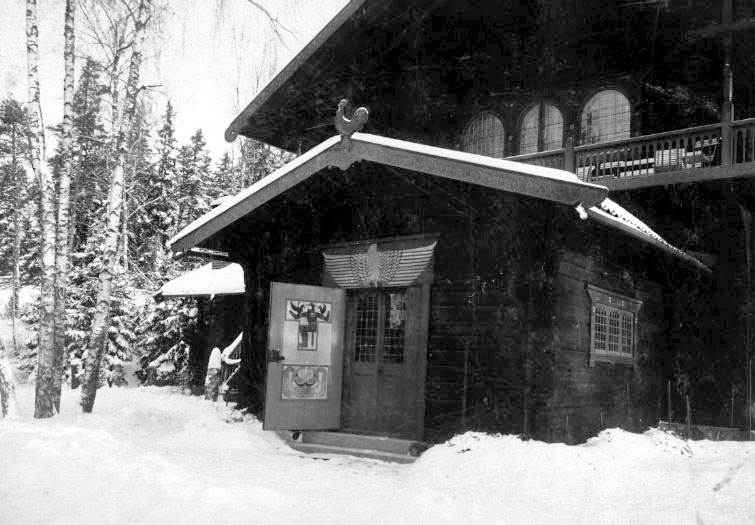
(151, 455)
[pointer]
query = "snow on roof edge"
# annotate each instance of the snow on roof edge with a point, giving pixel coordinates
(611, 213)
(254, 188)
(206, 281)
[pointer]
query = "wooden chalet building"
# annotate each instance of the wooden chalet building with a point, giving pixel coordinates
(405, 278)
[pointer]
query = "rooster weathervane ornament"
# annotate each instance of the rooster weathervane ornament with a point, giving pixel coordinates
(347, 127)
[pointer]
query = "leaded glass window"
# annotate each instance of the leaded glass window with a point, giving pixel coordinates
(542, 129)
(605, 117)
(484, 135)
(380, 326)
(613, 332)
(627, 332)
(393, 326)
(601, 328)
(366, 329)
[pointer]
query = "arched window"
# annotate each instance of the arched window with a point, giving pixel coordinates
(605, 117)
(484, 135)
(542, 129)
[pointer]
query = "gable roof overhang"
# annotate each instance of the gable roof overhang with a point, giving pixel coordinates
(513, 177)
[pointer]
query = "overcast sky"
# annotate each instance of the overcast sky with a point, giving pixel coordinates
(210, 56)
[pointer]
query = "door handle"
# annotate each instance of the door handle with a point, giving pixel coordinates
(274, 356)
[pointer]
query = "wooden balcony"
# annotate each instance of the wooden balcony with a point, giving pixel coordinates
(716, 151)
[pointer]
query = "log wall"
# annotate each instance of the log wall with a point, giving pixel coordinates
(588, 399)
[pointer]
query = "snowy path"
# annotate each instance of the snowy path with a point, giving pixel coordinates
(149, 456)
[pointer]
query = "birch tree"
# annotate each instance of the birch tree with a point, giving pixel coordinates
(44, 405)
(64, 188)
(100, 323)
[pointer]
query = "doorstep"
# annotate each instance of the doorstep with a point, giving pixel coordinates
(358, 445)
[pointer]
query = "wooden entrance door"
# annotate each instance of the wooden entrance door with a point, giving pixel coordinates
(305, 357)
(385, 361)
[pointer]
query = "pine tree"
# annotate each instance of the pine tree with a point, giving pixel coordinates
(195, 191)
(90, 154)
(226, 174)
(125, 316)
(164, 342)
(138, 176)
(18, 248)
(152, 214)
(258, 160)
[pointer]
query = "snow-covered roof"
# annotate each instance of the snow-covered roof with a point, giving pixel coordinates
(515, 177)
(535, 181)
(206, 281)
(612, 214)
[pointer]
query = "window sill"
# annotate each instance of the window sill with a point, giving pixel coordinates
(611, 358)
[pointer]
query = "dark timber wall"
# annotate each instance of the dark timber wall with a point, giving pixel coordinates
(503, 352)
(587, 399)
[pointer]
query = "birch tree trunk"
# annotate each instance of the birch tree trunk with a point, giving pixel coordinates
(16, 238)
(100, 323)
(44, 405)
(64, 194)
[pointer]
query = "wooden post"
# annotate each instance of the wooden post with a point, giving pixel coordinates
(727, 106)
(668, 406)
(689, 418)
(749, 399)
(747, 223)
(467, 342)
(569, 161)
(727, 116)
(465, 387)
(731, 409)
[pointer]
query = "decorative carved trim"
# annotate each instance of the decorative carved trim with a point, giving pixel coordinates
(347, 127)
(379, 263)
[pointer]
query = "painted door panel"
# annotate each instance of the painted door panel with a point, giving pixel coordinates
(305, 357)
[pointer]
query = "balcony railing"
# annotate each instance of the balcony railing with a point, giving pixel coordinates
(661, 158)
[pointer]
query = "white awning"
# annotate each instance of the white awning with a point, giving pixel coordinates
(206, 281)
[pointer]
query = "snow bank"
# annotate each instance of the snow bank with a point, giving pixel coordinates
(151, 455)
(27, 295)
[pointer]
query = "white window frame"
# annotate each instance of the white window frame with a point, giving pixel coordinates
(614, 343)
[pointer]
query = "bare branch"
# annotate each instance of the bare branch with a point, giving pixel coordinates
(275, 24)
